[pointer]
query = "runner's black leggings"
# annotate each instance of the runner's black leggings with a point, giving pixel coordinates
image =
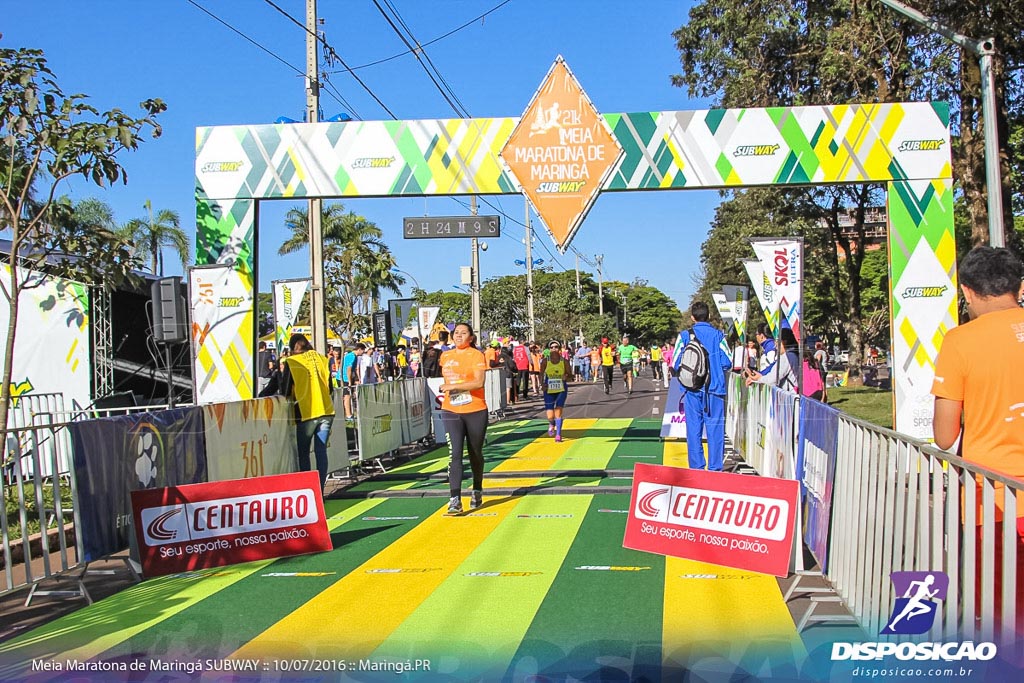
(608, 369)
(465, 430)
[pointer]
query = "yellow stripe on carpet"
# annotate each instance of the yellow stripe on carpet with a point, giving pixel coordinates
(675, 454)
(712, 610)
(543, 452)
(356, 614)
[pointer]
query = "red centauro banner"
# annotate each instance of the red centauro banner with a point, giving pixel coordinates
(733, 520)
(183, 528)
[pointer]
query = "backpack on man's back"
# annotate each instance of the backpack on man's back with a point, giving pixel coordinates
(694, 365)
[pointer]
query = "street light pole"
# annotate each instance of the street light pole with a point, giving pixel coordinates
(415, 282)
(529, 273)
(314, 213)
(984, 50)
(474, 287)
(600, 284)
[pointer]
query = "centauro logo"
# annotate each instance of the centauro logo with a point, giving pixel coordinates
(381, 424)
(561, 188)
(924, 292)
(373, 162)
(921, 145)
(503, 574)
(221, 166)
(755, 150)
(230, 301)
(228, 516)
(404, 570)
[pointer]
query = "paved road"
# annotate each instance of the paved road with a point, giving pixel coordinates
(588, 400)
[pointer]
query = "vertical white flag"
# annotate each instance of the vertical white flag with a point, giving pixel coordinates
(724, 307)
(288, 296)
(782, 262)
(738, 296)
(764, 292)
(427, 318)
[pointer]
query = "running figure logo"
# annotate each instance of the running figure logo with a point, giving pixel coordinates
(915, 611)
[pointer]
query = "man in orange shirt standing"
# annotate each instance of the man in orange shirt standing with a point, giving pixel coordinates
(975, 379)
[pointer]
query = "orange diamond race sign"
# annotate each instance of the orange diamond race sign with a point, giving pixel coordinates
(561, 152)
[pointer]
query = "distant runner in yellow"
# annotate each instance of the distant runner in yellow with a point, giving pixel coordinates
(555, 374)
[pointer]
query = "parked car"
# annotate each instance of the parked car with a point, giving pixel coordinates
(841, 357)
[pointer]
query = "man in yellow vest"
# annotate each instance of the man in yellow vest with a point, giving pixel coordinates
(306, 378)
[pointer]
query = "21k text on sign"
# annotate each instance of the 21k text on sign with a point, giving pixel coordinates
(727, 519)
(184, 528)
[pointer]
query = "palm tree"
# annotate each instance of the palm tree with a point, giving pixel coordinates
(357, 263)
(156, 233)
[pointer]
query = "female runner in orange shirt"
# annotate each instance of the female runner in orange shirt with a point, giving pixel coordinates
(464, 414)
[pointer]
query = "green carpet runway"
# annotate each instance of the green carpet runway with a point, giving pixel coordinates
(528, 587)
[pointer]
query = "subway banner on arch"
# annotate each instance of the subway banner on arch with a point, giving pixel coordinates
(727, 519)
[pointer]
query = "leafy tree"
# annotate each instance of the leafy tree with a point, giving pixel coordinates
(357, 265)
(46, 137)
(799, 52)
(455, 306)
(956, 78)
(153, 233)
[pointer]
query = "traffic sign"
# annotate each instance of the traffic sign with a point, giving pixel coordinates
(427, 227)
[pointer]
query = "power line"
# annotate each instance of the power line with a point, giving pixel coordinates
(331, 51)
(429, 42)
(251, 40)
(419, 51)
(260, 46)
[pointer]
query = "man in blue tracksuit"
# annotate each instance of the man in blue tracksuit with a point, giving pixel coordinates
(705, 409)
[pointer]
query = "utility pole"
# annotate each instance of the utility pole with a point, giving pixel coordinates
(529, 273)
(315, 213)
(579, 291)
(474, 287)
(983, 49)
(600, 284)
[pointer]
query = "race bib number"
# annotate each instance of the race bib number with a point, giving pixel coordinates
(459, 398)
(555, 386)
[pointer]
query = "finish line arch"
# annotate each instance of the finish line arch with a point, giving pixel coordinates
(905, 145)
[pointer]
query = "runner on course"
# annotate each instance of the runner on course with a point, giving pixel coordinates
(555, 373)
(626, 362)
(464, 414)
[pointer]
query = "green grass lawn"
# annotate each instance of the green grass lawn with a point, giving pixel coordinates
(865, 403)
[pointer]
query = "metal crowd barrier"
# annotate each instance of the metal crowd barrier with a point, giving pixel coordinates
(899, 504)
(902, 505)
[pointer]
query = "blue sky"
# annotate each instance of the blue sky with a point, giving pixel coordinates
(121, 52)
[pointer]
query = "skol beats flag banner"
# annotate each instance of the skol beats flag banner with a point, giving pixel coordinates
(246, 439)
(727, 519)
(922, 270)
(222, 344)
(185, 528)
(288, 296)
(738, 297)
(561, 153)
(782, 263)
(764, 292)
(117, 455)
